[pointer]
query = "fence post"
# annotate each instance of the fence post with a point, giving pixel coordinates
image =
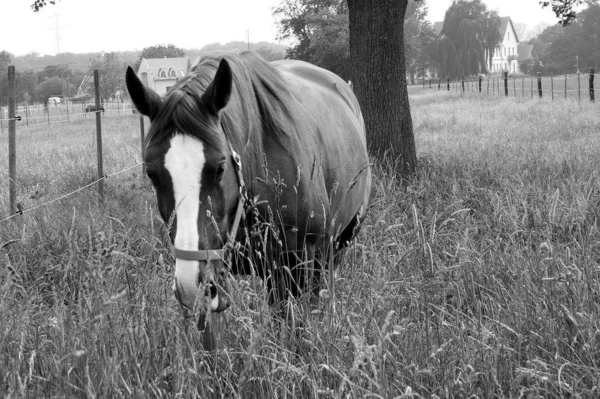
(462, 82)
(552, 87)
(539, 84)
(12, 141)
(505, 83)
(531, 86)
(488, 86)
(493, 86)
(523, 87)
(439, 83)
(578, 86)
(592, 94)
(448, 82)
(480, 79)
(142, 134)
(1, 119)
(99, 137)
(515, 87)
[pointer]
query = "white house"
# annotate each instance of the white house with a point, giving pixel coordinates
(161, 73)
(506, 56)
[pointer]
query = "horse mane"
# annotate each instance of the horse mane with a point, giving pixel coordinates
(258, 110)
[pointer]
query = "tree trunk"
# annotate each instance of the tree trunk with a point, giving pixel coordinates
(379, 78)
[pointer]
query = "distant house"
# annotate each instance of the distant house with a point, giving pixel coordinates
(506, 55)
(160, 74)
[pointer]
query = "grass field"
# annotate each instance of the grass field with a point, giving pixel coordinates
(480, 277)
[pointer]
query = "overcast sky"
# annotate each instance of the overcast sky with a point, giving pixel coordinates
(119, 25)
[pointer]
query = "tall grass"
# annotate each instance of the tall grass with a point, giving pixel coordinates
(480, 277)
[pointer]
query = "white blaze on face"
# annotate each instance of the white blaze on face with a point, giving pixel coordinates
(185, 160)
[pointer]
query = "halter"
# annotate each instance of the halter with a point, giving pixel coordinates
(211, 254)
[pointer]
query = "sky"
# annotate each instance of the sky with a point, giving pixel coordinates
(122, 25)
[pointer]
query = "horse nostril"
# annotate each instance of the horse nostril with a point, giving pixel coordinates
(210, 290)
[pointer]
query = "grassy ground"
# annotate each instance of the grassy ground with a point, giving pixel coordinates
(479, 278)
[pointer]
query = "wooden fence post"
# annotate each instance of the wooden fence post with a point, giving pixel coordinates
(12, 142)
(493, 86)
(448, 82)
(480, 78)
(565, 87)
(142, 134)
(531, 86)
(552, 87)
(522, 87)
(99, 137)
(515, 87)
(488, 86)
(539, 83)
(462, 82)
(505, 83)
(578, 87)
(592, 94)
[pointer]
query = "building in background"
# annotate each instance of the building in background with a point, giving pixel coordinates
(160, 74)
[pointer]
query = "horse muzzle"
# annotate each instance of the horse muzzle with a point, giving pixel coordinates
(202, 286)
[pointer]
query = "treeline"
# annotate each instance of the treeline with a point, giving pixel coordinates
(40, 77)
(559, 50)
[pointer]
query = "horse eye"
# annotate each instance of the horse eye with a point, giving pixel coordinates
(219, 171)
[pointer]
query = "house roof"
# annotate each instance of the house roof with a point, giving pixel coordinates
(180, 65)
(504, 23)
(525, 51)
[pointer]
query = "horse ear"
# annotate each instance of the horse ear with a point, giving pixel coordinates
(145, 99)
(218, 92)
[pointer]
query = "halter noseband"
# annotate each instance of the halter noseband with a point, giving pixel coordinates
(212, 254)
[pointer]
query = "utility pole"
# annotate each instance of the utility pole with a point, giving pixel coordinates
(56, 27)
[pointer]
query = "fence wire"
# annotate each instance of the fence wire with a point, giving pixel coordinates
(106, 176)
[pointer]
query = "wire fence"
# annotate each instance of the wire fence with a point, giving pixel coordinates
(30, 116)
(576, 86)
(39, 115)
(22, 211)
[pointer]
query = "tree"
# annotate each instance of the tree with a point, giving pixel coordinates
(379, 78)
(418, 36)
(4, 59)
(111, 72)
(51, 87)
(470, 35)
(320, 32)
(159, 51)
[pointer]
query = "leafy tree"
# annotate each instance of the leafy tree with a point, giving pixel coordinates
(51, 87)
(160, 51)
(469, 37)
(320, 32)
(560, 46)
(4, 59)
(564, 9)
(111, 73)
(418, 36)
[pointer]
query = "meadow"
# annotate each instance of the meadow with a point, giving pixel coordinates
(478, 278)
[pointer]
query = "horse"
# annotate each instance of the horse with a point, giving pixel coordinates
(93, 108)
(238, 145)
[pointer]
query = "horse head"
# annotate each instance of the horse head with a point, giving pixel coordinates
(197, 178)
